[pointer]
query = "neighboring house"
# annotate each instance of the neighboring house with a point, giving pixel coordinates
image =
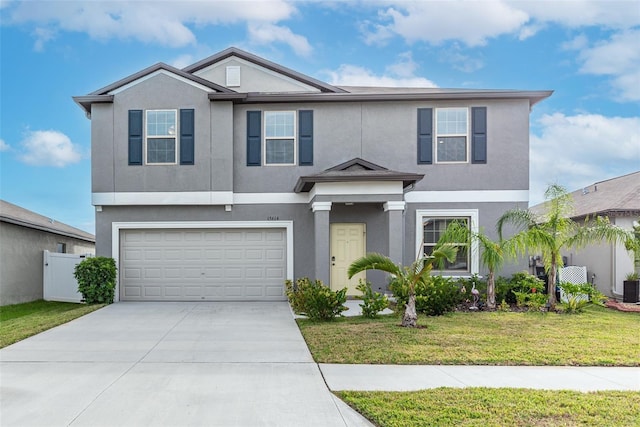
(221, 180)
(619, 200)
(24, 235)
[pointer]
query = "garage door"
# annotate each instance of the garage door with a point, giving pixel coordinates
(196, 265)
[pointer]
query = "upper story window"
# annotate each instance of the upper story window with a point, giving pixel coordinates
(279, 137)
(161, 136)
(452, 134)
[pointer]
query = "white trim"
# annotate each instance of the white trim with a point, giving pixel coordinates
(355, 188)
(321, 206)
(393, 206)
(470, 213)
(116, 227)
(157, 73)
(473, 196)
(230, 198)
(163, 198)
(270, 198)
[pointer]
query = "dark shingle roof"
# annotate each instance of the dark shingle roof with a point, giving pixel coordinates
(619, 195)
(20, 216)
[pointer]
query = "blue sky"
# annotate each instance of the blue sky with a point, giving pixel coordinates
(588, 52)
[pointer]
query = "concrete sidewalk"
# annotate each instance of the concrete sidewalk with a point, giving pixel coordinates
(411, 377)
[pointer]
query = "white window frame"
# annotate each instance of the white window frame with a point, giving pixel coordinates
(471, 214)
(465, 135)
(175, 136)
(266, 138)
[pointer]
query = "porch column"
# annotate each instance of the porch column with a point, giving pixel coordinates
(321, 211)
(394, 210)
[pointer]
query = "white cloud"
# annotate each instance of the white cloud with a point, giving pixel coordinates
(48, 148)
(266, 33)
(182, 61)
(576, 151)
(161, 22)
(435, 22)
(4, 146)
(398, 74)
(474, 22)
(617, 57)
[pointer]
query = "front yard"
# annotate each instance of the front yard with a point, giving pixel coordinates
(598, 337)
(20, 321)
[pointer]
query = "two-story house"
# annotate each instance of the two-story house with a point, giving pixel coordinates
(221, 180)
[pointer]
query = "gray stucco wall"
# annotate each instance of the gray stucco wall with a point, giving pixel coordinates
(21, 251)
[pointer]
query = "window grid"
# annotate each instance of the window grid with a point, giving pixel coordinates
(451, 134)
(279, 141)
(161, 136)
(433, 228)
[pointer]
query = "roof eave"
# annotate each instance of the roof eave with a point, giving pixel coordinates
(85, 102)
(252, 98)
(306, 183)
(27, 224)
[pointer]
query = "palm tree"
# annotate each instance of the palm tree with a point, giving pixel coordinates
(551, 233)
(492, 256)
(418, 272)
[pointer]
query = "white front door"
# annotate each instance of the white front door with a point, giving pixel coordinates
(348, 243)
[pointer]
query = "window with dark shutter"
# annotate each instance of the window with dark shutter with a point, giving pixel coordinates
(254, 138)
(135, 137)
(479, 135)
(305, 137)
(187, 137)
(425, 136)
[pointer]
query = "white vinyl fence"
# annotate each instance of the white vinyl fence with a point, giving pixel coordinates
(59, 284)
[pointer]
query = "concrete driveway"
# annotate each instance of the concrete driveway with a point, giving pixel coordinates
(177, 364)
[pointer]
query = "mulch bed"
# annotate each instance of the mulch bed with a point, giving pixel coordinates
(621, 306)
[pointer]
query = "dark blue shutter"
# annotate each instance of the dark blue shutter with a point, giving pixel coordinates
(305, 137)
(254, 138)
(425, 136)
(479, 135)
(135, 137)
(187, 137)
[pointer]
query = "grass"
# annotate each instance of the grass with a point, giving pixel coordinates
(597, 337)
(20, 321)
(496, 407)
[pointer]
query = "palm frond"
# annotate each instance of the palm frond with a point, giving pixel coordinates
(519, 218)
(373, 261)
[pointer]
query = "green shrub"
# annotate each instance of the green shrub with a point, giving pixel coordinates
(372, 302)
(96, 279)
(523, 282)
(435, 296)
(578, 296)
(314, 299)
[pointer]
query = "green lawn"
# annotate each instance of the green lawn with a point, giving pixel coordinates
(20, 321)
(598, 337)
(496, 407)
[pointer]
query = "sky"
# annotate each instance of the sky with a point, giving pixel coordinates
(588, 52)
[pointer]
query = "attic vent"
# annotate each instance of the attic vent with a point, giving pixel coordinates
(233, 76)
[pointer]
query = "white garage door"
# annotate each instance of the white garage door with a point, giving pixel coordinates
(196, 265)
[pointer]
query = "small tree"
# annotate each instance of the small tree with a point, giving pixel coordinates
(555, 231)
(419, 271)
(492, 253)
(96, 279)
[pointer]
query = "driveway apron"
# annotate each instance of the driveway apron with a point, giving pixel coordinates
(177, 364)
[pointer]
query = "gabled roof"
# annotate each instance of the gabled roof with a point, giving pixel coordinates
(233, 51)
(102, 95)
(17, 215)
(356, 169)
(616, 196)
